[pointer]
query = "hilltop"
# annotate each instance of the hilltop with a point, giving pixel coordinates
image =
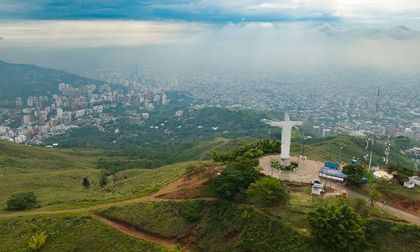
(170, 207)
(22, 80)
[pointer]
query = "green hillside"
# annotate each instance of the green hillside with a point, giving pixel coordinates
(221, 226)
(63, 188)
(213, 226)
(325, 149)
(16, 158)
(68, 233)
(21, 80)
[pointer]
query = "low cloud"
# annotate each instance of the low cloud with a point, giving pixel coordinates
(243, 46)
(95, 33)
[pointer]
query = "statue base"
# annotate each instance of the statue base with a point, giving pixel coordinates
(285, 161)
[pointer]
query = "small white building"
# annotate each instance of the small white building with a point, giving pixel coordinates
(409, 184)
(415, 180)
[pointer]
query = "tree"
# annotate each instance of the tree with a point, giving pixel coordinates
(221, 156)
(37, 241)
(103, 180)
(401, 172)
(254, 153)
(86, 183)
(233, 182)
(339, 228)
(355, 173)
(22, 201)
(268, 191)
(374, 196)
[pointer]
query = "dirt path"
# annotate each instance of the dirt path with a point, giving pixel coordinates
(388, 209)
(184, 183)
(166, 243)
(174, 191)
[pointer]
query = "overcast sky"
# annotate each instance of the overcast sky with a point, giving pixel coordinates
(379, 33)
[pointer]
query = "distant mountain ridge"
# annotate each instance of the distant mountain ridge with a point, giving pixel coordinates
(23, 80)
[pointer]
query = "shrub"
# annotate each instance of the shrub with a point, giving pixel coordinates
(337, 227)
(374, 196)
(401, 172)
(276, 164)
(268, 191)
(355, 173)
(290, 167)
(235, 179)
(103, 180)
(86, 183)
(22, 201)
(37, 241)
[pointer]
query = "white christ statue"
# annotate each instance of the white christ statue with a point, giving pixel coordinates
(286, 134)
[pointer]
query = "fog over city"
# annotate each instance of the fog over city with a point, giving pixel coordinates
(260, 46)
(240, 35)
(295, 56)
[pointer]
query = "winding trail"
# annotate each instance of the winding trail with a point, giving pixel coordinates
(166, 193)
(169, 192)
(388, 209)
(131, 231)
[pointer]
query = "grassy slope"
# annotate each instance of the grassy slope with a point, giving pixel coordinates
(321, 149)
(217, 226)
(55, 175)
(212, 226)
(68, 233)
(15, 158)
(63, 189)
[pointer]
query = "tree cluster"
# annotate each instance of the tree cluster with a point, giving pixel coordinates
(355, 173)
(22, 201)
(338, 227)
(401, 172)
(268, 191)
(234, 181)
(250, 151)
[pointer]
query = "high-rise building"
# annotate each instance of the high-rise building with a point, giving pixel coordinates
(19, 102)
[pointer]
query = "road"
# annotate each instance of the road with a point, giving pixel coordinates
(308, 171)
(388, 209)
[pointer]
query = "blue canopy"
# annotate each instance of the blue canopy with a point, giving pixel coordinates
(333, 172)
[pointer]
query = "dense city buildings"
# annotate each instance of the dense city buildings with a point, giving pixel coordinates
(354, 101)
(36, 117)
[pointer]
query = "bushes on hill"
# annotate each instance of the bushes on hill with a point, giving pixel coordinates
(22, 201)
(387, 236)
(355, 173)
(37, 241)
(233, 182)
(268, 191)
(401, 172)
(251, 151)
(374, 196)
(103, 179)
(337, 227)
(85, 182)
(219, 226)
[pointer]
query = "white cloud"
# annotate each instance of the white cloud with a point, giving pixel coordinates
(94, 33)
(347, 10)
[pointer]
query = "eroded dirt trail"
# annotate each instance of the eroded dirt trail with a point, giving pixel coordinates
(172, 191)
(186, 187)
(166, 243)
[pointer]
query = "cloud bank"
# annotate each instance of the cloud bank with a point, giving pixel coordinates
(218, 11)
(67, 34)
(242, 46)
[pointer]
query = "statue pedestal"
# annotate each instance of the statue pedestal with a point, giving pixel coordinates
(285, 161)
